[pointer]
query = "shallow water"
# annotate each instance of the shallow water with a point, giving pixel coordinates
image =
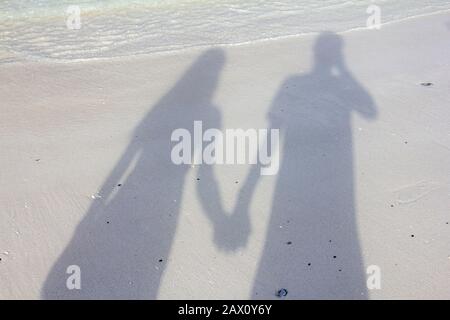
(113, 28)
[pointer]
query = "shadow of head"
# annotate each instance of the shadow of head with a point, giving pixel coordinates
(328, 56)
(188, 100)
(336, 79)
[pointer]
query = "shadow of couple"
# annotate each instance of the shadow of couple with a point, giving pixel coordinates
(317, 255)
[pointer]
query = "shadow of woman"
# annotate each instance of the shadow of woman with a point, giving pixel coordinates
(312, 247)
(122, 243)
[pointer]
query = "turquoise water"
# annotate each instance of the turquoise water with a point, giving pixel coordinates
(36, 29)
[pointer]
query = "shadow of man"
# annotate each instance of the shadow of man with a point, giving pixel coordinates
(123, 241)
(312, 246)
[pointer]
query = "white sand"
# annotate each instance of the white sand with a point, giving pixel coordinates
(365, 163)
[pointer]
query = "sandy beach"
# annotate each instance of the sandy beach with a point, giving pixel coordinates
(363, 179)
